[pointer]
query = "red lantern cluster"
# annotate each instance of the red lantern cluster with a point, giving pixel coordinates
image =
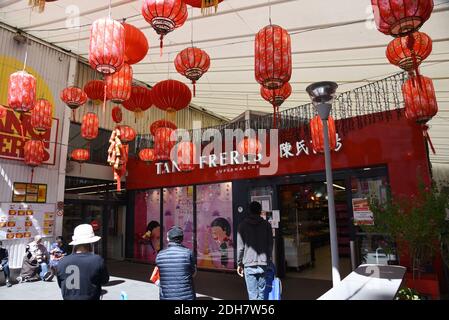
(249, 146)
(107, 46)
(127, 134)
(171, 95)
(73, 97)
(117, 115)
(185, 156)
(161, 124)
(80, 155)
(205, 5)
(118, 85)
(136, 44)
(146, 155)
(192, 63)
(273, 61)
(21, 91)
(139, 100)
(163, 144)
(94, 90)
(41, 115)
(89, 126)
(316, 128)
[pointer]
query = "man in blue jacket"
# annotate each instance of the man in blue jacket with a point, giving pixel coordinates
(176, 268)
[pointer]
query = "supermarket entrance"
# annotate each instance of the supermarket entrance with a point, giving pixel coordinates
(304, 231)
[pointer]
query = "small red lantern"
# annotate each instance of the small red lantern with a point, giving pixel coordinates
(107, 45)
(400, 17)
(117, 115)
(164, 15)
(94, 90)
(73, 97)
(34, 154)
(41, 115)
(249, 146)
(205, 5)
(273, 57)
(139, 101)
(162, 144)
(408, 52)
(146, 155)
(185, 156)
(316, 128)
(161, 124)
(136, 44)
(89, 126)
(80, 155)
(192, 63)
(127, 134)
(21, 91)
(171, 95)
(118, 85)
(276, 97)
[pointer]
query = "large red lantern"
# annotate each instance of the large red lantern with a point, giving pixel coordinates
(205, 5)
(146, 155)
(164, 15)
(118, 85)
(89, 126)
(117, 115)
(163, 144)
(185, 156)
(171, 95)
(41, 115)
(316, 128)
(94, 90)
(273, 57)
(136, 44)
(249, 146)
(400, 17)
(192, 63)
(276, 97)
(80, 155)
(139, 101)
(127, 134)
(107, 45)
(34, 154)
(21, 91)
(161, 124)
(408, 52)
(73, 97)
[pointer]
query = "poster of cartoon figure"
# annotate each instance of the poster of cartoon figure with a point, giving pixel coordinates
(214, 221)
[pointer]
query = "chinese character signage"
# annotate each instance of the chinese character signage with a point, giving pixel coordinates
(289, 150)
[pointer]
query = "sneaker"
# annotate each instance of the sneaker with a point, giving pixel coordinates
(48, 276)
(8, 284)
(19, 279)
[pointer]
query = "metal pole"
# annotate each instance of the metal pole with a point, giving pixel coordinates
(331, 204)
(352, 246)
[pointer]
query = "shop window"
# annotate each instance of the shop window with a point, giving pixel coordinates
(215, 248)
(147, 209)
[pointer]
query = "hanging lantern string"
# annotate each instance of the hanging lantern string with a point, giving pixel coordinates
(191, 24)
(110, 9)
(269, 10)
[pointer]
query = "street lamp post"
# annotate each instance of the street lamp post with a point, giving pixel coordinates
(322, 95)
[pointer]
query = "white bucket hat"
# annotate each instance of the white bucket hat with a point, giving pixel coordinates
(83, 234)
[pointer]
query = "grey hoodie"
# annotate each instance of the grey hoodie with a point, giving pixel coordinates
(254, 242)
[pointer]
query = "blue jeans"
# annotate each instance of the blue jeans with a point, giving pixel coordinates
(44, 270)
(6, 270)
(255, 282)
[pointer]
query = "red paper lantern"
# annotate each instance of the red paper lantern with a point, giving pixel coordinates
(400, 17)
(3, 112)
(408, 52)
(161, 124)
(117, 115)
(164, 15)
(127, 134)
(273, 57)
(171, 95)
(107, 45)
(21, 91)
(276, 96)
(316, 128)
(73, 97)
(94, 90)
(136, 44)
(163, 144)
(41, 115)
(420, 100)
(33, 154)
(146, 155)
(249, 146)
(192, 63)
(118, 85)
(89, 126)
(205, 5)
(80, 155)
(139, 101)
(185, 156)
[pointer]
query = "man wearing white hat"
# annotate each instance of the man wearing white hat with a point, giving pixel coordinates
(81, 274)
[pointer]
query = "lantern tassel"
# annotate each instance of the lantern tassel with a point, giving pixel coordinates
(194, 88)
(104, 99)
(73, 115)
(161, 45)
(274, 117)
(22, 130)
(32, 174)
(427, 137)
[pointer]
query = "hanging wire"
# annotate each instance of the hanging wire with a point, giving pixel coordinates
(191, 25)
(110, 9)
(269, 11)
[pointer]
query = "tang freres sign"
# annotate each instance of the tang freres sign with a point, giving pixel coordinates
(12, 143)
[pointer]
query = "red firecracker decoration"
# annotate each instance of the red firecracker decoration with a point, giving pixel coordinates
(420, 102)
(89, 126)
(34, 154)
(136, 44)
(249, 146)
(41, 115)
(276, 97)
(316, 128)
(161, 124)
(139, 101)
(164, 15)
(273, 57)
(185, 156)
(21, 91)
(192, 63)
(117, 114)
(127, 134)
(118, 85)
(400, 17)
(73, 97)
(410, 51)
(163, 144)
(107, 46)
(94, 90)
(171, 95)
(205, 5)
(146, 155)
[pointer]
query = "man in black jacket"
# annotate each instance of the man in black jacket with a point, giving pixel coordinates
(4, 266)
(81, 274)
(176, 268)
(254, 251)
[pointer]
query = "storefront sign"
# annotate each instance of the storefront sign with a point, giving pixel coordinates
(29, 193)
(11, 141)
(362, 214)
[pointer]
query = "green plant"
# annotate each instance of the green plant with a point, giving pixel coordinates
(408, 294)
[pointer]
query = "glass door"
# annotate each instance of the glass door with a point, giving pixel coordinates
(94, 213)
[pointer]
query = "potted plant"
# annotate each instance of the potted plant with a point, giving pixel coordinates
(416, 224)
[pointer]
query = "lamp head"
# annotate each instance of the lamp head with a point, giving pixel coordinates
(322, 92)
